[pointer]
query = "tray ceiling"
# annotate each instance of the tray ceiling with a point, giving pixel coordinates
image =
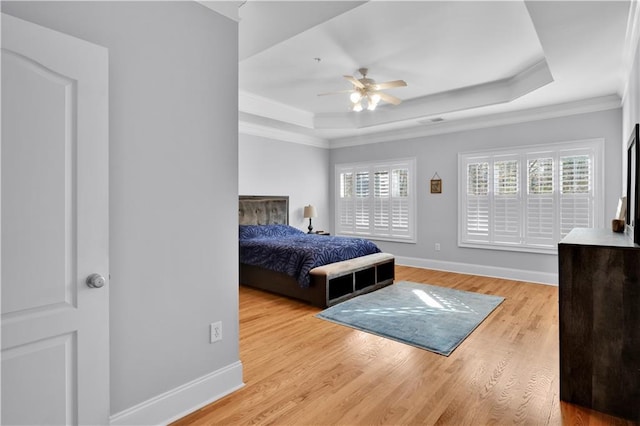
(461, 60)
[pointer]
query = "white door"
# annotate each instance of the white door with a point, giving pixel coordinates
(54, 215)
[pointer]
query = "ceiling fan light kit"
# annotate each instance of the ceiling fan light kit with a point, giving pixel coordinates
(366, 90)
(357, 98)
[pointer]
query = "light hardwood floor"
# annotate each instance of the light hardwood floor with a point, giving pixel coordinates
(300, 370)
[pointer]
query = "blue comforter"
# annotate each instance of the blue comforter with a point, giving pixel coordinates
(289, 250)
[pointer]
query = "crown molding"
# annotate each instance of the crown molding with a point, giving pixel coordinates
(247, 128)
(263, 107)
(429, 129)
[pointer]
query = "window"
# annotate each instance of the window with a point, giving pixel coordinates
(376, 200)
(529, 198)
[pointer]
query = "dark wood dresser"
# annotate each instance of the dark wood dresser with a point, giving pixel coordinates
(599, 296)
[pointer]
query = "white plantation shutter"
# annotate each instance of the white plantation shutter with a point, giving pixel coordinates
(375, 200)
(400, 203)
(530, 197)
(381, 201)
(540, 207)
(477, 212)
(362, 201)
(506, 200)
(346, 203)
(540, 219)
(576, 196)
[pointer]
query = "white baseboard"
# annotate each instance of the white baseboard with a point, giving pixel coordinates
(483, 270)
(184, 399)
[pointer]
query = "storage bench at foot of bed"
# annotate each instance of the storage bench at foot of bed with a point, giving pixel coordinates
(349, 278)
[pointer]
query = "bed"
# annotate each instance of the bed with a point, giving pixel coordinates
(318, 269)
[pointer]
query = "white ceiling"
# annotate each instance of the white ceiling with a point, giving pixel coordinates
(467, 62)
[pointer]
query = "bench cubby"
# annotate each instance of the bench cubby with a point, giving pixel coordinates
(350, 278)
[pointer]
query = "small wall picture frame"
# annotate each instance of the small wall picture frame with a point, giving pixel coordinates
(436, 184)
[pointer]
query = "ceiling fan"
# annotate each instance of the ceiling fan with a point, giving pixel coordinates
(367, 90)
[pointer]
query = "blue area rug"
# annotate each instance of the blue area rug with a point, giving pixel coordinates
(434, 318)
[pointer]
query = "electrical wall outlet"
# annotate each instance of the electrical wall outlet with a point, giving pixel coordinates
(437, 247)
(216, 331)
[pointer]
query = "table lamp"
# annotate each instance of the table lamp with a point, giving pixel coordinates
(309, 212)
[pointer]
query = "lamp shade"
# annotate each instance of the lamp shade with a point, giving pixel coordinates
(310, 211)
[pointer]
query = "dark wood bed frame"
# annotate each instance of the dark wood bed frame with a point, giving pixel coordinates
(330, 284)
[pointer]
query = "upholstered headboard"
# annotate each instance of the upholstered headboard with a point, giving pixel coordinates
(263, 210)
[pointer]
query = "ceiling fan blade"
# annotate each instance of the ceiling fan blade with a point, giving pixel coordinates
(390, 84)
(354, 81)
(335, 93)
(389, 98)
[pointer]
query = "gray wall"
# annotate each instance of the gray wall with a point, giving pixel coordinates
(272, 167)
(437, 213)
(173, 185)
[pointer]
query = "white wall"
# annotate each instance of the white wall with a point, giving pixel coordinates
(272, 167)
(437, 213)
(173, 70)
(630, 107)
(631, 101)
